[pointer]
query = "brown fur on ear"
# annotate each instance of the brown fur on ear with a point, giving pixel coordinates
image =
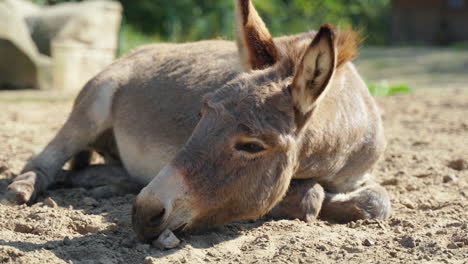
(347, 43)
(256, 47)
(315, 70)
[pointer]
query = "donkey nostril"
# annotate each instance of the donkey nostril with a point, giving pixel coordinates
(157, 219)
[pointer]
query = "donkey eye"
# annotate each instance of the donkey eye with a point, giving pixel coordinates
(250, 147)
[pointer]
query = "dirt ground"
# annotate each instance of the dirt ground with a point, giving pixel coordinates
(427, 134)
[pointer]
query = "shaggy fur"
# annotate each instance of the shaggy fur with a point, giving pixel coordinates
(298, 111)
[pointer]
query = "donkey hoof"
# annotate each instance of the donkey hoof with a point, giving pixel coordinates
(21, 190)
(12, 198)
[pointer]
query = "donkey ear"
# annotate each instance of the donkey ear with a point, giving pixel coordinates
(256, 47)
(315, 71)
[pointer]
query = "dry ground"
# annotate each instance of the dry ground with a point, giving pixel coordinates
(426, 131)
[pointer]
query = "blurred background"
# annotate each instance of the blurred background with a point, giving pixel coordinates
(384, 22)
(408, 42)
(414, 58)
(189, 20)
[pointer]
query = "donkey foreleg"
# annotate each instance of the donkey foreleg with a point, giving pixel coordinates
(370, 201)
(89, 118)
(103, 180)
(40, 172)
(302, 201)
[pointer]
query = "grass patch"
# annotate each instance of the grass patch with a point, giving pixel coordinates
(130, 38)
(383, 88)
(459, 46)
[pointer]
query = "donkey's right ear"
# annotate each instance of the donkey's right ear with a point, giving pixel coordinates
(256, 47)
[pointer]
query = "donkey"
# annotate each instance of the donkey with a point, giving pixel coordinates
(220, 134)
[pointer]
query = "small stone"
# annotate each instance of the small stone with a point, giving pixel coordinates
(398, 230)
(142, 247)
(423, 175)
(67, 241)
(408, 204)
(419, 143)
(408, 242)
(393, 254)
(86, 228)
(322, 247)
(449, 178)
(149, 260)
(393, 181)
(452, 245)
(3, 168)
(128, 243)
(50, 246)
(90, 201)
(458, 164)
(23, 228)
(351, 249)
(166, 240)
(368, 242)
(50, 203)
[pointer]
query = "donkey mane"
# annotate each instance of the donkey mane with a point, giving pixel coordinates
(347, 42)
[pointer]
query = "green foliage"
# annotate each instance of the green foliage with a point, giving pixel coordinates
(384, 89)
(286, 17)
(131, 38)
(459, 46)
(185, 20)
(181, 20)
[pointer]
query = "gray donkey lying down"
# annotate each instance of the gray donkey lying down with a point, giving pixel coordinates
(218, 133)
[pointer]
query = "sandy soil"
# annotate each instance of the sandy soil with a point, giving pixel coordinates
(417, 67)
(426, 130)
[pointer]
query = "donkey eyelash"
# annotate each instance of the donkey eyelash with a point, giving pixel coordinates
(250, 147)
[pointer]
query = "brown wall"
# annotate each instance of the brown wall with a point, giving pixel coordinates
(428, 22)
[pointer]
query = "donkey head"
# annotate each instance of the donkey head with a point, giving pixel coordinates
(241, 156)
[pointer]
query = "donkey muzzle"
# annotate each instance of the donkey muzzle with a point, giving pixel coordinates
(160, 205)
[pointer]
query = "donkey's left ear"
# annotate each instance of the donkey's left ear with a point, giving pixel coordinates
(256, 47)
(314, 72)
